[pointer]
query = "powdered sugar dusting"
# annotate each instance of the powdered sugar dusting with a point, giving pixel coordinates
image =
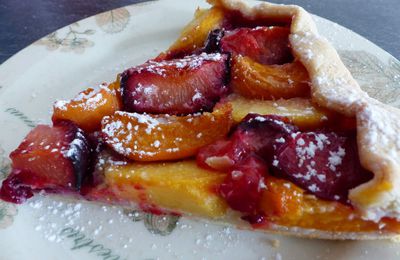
(88, 100)
(383, 148)
(383, 126)
(114, 128)
(189, 62)
(335, 158)
(73, 225)
(144, 135)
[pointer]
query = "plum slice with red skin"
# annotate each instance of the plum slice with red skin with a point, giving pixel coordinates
(242, 187)
(180, 86)
(265, 45)
(14, 190)
(254, 135)
(325, 164)
(53, 158)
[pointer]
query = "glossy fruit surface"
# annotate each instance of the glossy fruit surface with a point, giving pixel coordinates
(181, 86)
(255, 135)
(145, 137)
(286, 204)
(325, 164)
(264, 45)
(242, 188)
(179, 186)
(194, 35)
(88, 108)
(300, 111)
(55, 158)
(255, 80)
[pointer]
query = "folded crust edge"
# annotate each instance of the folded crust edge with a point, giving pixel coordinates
(334, 87)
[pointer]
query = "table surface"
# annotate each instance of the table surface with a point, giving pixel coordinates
(23, 22)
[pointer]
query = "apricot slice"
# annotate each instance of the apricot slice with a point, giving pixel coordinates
(254, 80)
(88, 108)
(286, 204)
(300, 111)
(194, 35)
(145, 137)
(176, 186)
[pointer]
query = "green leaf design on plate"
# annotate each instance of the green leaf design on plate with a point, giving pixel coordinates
(160, 224)
(5, 164)
(7, 213)
(15, 112)
(113, 21)
(395, 65)
(7, 210)
(71, 40)
(380, 80)
(157, 224)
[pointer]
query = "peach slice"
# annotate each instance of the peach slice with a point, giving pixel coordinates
(194, 35)
(300, 111)
(176, 186)
(88, 108)
(145, 137)
(254, 80)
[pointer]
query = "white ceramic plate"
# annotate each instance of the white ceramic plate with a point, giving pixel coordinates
(94, 50)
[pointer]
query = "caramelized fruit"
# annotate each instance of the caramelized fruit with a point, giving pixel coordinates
(13, 189)
(88, 108)
(254, 135)
(254, 80)
(213, 42)
(264, 45)
(286, 204)
(242, 187)
(180, 86)
(194, 35)
(146, 137)
(49, 158)
(300, 111)
(236, 19)
(324, 163)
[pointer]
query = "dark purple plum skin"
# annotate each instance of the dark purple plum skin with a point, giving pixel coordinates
(80, 157)
(135, 80)
(213, 42)
(262, 130)
(21, 183)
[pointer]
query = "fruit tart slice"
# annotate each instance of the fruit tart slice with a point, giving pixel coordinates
(249, 118)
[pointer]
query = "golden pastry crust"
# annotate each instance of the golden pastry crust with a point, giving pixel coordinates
(334, 87)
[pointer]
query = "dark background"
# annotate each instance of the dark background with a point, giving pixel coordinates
(25, 21)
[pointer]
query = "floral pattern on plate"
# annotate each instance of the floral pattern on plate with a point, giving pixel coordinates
(73, 39)
(157, 224)
(373, 74)
(113, 21)
(7, 210)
